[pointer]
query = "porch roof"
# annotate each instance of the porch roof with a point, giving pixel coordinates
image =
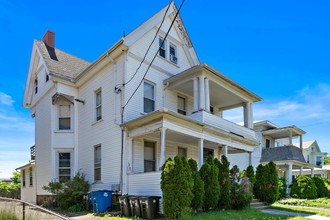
(164, 118)
(284, 132)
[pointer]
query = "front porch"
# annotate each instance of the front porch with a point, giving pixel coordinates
(163, 134)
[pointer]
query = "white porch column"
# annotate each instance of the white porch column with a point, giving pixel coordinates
(124, 186)
(225, 150)
(312, 172)
(301, 171)
(289, 173)
(290, 137)
(201, 93)
(207, 94)
(248, 123)
(301, 142)
(130, 156)
(195, 94)
(162, 146)
(200, 152)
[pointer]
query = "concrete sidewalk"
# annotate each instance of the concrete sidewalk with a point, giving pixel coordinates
(281, 212)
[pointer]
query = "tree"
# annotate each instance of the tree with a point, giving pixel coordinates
(303, 187)
(11, 190)
(209, 173)
(198, 190)
(250, 174)
(260, 183)
(327, 160)
(224, 182)
(271, 191)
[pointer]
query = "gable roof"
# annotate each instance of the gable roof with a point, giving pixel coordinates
(61, 64)
(305, 144)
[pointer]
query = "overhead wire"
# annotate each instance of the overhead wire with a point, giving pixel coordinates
(177, 13)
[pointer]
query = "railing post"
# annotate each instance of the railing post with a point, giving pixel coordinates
(23, 210)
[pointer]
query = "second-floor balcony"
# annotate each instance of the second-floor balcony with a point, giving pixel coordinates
(283, 153)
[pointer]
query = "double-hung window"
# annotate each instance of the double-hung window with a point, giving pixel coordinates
(64, 119)
(31, 176)
(149, 97)
(23, 178)
(64, 167)
(97, 163)
(149, 157)
(98, 105)
(173, 57)
(182, 105)
(162, 47)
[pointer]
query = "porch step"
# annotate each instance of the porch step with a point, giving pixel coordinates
(256, 204)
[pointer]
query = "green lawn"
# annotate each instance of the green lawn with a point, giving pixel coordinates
(309, 210)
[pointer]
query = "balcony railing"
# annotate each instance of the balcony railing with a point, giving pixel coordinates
(282, 153)
(223, 124)
(33, 152)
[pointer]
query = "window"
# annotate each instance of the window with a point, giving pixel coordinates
(36, 86)
(307, 159)
(23, 178)
(212, 110)
(182, 152)
(181, 105)
(149, 98)
(267, 143)
(98, 105)
(64, 119)
(207, 153)
(162, 46)
(97, 163)
(173, 57)
(149, 157)
(31, 176)
(47, 77)
(318, 160)
(64, 169)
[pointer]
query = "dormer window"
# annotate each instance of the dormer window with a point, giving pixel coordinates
(173, 57)
(162, 48)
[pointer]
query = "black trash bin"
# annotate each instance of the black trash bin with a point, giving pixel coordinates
(135, 206)
(149, 206)
(125, 208)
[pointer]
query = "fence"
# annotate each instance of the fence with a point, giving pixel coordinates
(26, 211)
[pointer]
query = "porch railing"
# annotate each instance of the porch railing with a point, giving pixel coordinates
(223, 124)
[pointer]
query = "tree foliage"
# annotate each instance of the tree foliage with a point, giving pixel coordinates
(321, 188)
(303, 187)
(271, 183)
(224, 182)
(198, 189)
(11, 190)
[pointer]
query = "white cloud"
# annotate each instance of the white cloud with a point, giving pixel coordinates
(6, 99)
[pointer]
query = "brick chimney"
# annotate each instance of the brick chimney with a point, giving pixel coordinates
(49, 39)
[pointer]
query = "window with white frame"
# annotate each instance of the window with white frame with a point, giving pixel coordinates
(173, 56)
(182, 105)
(64, 166)
(30, 176)
(98, 104)
(267, 143)
(162, 47)
(97, 163)
(318, 160)
(149, 97)
(23, 178)
(182, 152)
(64, 118)
(149, 156)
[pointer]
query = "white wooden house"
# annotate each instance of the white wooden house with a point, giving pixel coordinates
(118, 127)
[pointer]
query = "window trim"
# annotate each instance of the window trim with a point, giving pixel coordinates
(154, 160)
(23, 178)
(98, 146)
(30, 176)
(162, 48)
(59, 116)
(154, 96)
(58, 164)
(98, 91)
(173, 57)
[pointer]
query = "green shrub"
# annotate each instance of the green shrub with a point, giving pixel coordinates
(209, 173)
(224, 182)
(321, 188)
(303, 187)
(259, 185)
(250, 174)
(271, 192)
(198, 190)
(69, 193)
(177, 185)
(241, 194)
(282, 187)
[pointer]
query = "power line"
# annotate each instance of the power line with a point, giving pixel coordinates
(119, 86)
(154, 56)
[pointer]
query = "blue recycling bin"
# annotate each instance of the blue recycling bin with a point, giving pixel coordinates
(100, 200)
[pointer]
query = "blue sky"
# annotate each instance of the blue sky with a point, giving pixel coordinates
(277, 49)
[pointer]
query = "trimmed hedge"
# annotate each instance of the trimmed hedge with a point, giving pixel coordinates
(198, 190)
(225, 184)
(321, 188)
(303, 187)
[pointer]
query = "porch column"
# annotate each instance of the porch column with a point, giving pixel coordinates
(207, 94)
(201, 93)
(290, 137)
(250, 158)
(289, 173)
(200, 152)
(301, 142)
(312, 172)
(124, 177)
(225, 150)
(130, 155)
(301, 171)
(162, 147)
(248, 115)
(195, 94)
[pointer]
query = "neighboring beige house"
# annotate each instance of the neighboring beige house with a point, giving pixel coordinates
(118, 126)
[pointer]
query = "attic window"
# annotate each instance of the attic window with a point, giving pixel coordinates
(47, 77)
(162, 48)
(173, 57)
(36, 86)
